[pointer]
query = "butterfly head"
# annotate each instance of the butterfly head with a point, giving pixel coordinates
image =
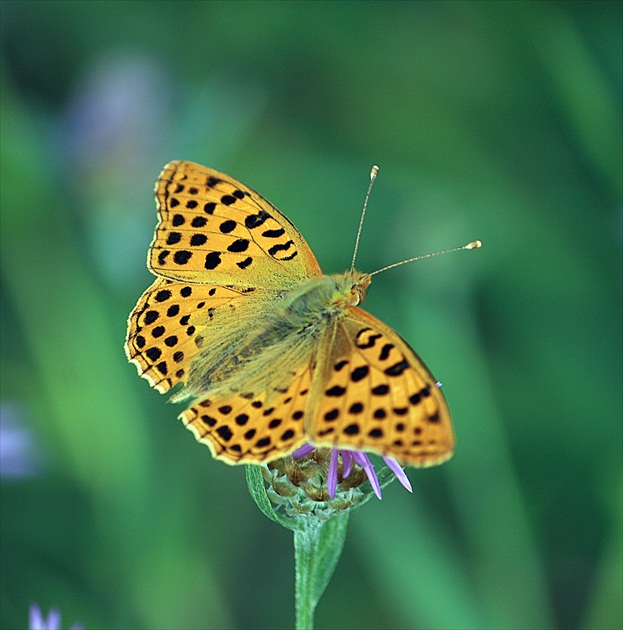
(359, 287)
(352, 287)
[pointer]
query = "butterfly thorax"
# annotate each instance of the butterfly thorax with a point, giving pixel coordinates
(327, 296)
(284, 336)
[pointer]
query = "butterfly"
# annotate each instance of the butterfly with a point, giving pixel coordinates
(272, 353)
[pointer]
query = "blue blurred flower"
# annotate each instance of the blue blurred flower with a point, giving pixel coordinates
(18, 450)
(37, 621)
(360, 459)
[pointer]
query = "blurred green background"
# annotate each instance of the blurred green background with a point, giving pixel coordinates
(492, 120)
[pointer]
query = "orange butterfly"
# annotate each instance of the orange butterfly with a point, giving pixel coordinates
(273, 354)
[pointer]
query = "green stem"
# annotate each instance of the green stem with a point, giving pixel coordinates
(318, 543)
(304, 545)
(317, 549)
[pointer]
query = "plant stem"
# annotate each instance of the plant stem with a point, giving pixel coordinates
(304, 546)
(317, 549)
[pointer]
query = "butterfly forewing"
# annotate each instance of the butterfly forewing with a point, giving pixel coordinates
(374, 393)
(214, 229)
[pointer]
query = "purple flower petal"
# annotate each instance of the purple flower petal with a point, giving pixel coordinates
(301, 451)
(347, 460)
(332, 474)
(35, 618)
(54, 620)
(361, 459)
(364, 461)
(399, 472)
(38, 622)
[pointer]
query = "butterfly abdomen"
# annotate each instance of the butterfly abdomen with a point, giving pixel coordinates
(283, 338)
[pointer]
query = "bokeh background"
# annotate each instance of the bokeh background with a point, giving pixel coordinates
(492, 120)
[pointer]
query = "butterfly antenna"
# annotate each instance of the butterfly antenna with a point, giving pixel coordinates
(373, 174)
(472, 245)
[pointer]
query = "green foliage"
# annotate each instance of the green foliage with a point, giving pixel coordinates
(492, 120)
(318, 546)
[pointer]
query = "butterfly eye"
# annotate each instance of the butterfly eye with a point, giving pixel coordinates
(359, 294)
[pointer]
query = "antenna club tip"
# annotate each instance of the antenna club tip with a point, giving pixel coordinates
(374, 172)
(473, 245)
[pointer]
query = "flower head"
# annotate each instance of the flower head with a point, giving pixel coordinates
(18, 447)
(37, 621)
(360, 459)
(324, 481)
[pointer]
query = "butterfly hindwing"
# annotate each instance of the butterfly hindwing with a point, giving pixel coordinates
(253, 427)
(214, 229)
(374, 393)
(167, 327)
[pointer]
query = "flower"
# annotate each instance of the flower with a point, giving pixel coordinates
(37, 621)
(325, 481)
(360, 459)
(18, 448)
